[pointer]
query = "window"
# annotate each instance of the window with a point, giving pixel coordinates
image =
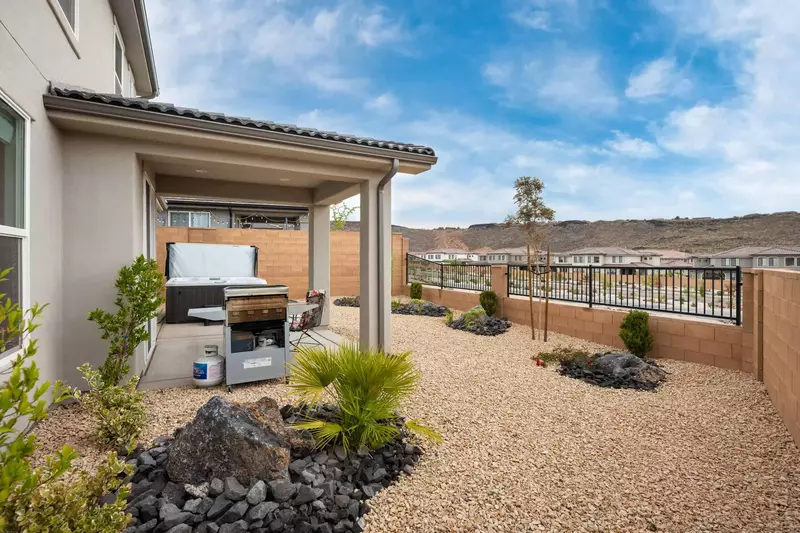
(192, 219)
(773, 261)
(724, 262)
(69, 9)
(788, 261)
(596, 259)
(13, 192)
(119, 62)
(760, 261)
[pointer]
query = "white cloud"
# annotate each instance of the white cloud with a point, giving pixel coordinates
(385, 104)
(535, 19)
(624, 144)
(547, 15)
(564, 80)
(750, 143)
(659, 77)
(374, 29)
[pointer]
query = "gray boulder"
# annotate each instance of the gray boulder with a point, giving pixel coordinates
(228, 440)
(630, 368)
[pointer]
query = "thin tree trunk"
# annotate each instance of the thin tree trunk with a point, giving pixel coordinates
(530, 292)
(546, 293)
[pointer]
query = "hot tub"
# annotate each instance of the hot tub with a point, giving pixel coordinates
(187, 293)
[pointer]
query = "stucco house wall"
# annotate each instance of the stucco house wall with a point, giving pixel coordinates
(33, 51)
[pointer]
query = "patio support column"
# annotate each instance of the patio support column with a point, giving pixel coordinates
(319, 254)
(368, 282)
(385, 272)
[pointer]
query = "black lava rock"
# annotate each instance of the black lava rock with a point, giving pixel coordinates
(419, 308)
(619, 371)
(347, 301)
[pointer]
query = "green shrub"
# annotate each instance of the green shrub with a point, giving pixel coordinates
(36, 499)
(560, 354)
(118, 409)
(138, 301)
(416, 291)
(396, 303)
(368, 387)
(472, 316)
(635, 333)
(448, 317)
(489, 302)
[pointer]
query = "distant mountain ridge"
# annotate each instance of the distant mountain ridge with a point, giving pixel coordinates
(696, 235)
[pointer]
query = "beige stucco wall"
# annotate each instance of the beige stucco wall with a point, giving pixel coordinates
(102, 221)
(34, 51)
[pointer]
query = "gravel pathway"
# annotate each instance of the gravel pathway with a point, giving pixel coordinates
(528, 450)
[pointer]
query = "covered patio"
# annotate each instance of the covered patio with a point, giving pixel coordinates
(132, 152)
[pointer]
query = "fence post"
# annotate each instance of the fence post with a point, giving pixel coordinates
(738, 295)
(591, 285)
(441, 275)
(407, 261)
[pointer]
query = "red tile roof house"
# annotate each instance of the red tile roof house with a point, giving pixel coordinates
(86, 155)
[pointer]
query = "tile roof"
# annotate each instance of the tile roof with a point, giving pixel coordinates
(74, 93)
(447, 251)
(749, 251)
(667, 254)
(611, 250)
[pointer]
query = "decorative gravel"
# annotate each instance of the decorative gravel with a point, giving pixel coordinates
(529, 450)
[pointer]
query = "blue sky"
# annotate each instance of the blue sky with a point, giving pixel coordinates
(637, 109)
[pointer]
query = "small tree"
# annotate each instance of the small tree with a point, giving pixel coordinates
(489, 302)
(339, 215)
(138, 301)
(531, 216)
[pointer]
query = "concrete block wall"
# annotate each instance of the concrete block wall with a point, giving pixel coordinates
(283, 255)
(781, 344)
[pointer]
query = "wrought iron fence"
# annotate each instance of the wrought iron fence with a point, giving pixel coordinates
(707, 292)
(448, 276)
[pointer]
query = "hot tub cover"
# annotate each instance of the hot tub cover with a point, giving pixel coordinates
(200, 260)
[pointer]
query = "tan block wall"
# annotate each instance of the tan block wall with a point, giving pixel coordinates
(781, 344)
(283, 255)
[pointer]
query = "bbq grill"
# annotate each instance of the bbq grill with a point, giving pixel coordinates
(256, 333)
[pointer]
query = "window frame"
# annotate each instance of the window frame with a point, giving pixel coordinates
(772, 261)
(786, 261)
(760, 261)
(23, 234)
(71, 33)
(171, 212)
(121, 79)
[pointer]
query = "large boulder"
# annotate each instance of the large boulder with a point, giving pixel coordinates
(617, 370)
(229, 440)
(629, 367)
(267, 412)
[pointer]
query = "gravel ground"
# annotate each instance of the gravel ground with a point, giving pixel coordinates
(528, 450)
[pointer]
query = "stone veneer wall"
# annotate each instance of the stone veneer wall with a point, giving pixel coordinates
(283, 255)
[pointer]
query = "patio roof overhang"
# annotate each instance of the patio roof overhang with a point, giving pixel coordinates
(210, 155)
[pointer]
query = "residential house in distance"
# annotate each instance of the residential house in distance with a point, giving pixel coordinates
(673, 258)
(448, 254)
(608, 256)
(198, 213)
(774, 256)
(509, 256)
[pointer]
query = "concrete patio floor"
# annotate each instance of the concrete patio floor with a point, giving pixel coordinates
(178, 345)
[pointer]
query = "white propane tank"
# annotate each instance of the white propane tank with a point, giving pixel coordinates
(209, 370)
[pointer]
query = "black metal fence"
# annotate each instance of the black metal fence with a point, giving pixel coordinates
(448, 276)
(707, 292)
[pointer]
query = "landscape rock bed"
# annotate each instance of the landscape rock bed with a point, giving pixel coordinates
(423, 308)
(615, 370)
(348, 301)
(480, 323)
(323, 491)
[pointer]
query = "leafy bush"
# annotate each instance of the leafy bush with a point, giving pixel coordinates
(559, 354)
(448, 317)
(35, 499)
(396, 303)
(489, 302)
(118, 409)
(416, 291)
(635, 333)
(368, 387)
(473, 315)
(138, 300)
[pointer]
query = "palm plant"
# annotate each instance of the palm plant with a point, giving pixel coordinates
(367, 385)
